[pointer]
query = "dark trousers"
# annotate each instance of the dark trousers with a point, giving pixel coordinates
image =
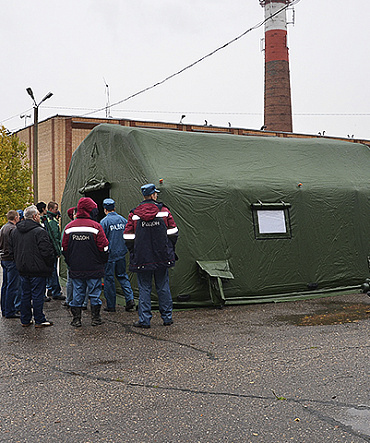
(116, 268)
(52, 282)
(162, 285)
(10, 288)
(33, 288)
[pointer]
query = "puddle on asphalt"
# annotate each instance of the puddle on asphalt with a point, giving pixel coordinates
(358, 419)
(330, 314)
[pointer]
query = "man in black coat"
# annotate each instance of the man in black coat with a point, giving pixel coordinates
(34, 257)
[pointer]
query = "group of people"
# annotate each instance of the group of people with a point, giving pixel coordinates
(27, 259)
(93, 251)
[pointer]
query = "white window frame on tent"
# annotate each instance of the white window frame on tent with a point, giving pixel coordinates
(271, 220)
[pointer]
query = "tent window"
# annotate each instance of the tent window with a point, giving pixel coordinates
(271, 220)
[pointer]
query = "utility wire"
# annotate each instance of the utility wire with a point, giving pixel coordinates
(258, 25)
(241, 113)
(16, 115)
(156, 111)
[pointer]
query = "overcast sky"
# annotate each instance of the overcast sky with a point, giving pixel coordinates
(75, 47)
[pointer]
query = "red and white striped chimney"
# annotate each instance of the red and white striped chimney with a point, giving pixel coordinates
(278, 106)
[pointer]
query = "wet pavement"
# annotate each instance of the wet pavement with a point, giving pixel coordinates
(295, 371)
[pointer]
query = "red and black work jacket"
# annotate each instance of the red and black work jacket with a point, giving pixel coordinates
(150, 235)
(84, 244)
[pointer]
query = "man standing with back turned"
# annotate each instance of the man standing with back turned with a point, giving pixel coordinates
(151, 234)
(114, 225)
(85, 248)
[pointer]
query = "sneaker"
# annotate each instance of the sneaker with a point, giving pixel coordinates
(25, 325)
(168, 323)
(45, 324)
(65, 304)
(59, 297)
(130, 305)
(46, 298)
(137, 324)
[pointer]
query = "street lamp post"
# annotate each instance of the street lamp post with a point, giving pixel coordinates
(35, 140)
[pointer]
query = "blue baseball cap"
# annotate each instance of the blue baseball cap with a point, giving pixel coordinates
(149, 189)
(109, 204)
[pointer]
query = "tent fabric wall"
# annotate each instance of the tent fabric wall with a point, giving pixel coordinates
(212, 181)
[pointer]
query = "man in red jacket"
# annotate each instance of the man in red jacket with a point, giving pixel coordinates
(150, 235)
(85, 248)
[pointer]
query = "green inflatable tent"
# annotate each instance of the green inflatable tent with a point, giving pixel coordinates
(260, 218)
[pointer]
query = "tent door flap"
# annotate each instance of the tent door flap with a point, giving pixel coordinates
(215, 271)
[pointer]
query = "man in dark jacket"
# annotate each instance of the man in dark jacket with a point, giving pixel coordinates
(34, 257)
(52, 226)
(11, 281)
(41, 207)
(85, 248)
(150, 235)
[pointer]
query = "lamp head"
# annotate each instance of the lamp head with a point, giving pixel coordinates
(48, 95)
(30, 93)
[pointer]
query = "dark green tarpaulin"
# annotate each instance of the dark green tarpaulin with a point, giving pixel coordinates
(288, 215)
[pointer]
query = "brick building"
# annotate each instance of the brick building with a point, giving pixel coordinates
(59, 136)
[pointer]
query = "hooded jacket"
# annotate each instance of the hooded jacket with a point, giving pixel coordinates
(33, 251)
(151, 234)
(84, 244)
(71, 213)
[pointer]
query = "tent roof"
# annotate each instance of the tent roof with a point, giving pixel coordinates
(216, 159)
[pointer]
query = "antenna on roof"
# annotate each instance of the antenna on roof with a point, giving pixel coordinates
(107, 104)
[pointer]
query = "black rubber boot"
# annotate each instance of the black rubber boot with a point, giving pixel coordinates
(95, 315)
(76, 312)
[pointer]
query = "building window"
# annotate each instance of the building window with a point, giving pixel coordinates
(271, 220)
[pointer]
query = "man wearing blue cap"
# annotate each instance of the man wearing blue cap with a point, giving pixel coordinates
(21, 216)
(113, 225)
(150, 235)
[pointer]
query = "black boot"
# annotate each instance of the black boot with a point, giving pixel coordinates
(95, 315)
(76, 312)
(130, 305)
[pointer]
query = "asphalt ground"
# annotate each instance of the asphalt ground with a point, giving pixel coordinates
(285, 372)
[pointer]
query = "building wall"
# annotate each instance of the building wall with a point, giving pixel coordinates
(60, 136)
